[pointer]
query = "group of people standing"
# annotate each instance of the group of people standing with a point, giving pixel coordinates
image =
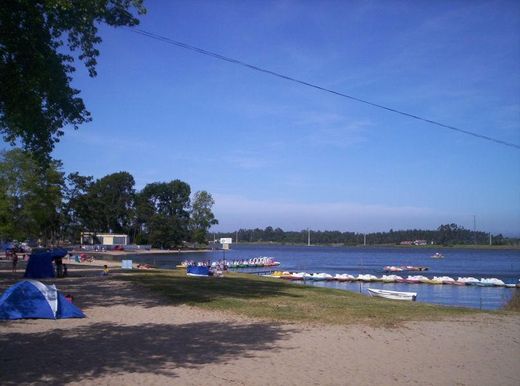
(61, 269)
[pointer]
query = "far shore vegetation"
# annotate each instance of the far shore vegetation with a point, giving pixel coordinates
(277, 300)
(446, 235)
(513, 245)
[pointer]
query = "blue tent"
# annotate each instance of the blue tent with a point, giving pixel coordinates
(30, 299)
(7, 246)
(40, 266)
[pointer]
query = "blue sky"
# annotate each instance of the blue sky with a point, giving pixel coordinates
(272, 152)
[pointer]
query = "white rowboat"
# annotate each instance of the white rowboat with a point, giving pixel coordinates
(395, 295)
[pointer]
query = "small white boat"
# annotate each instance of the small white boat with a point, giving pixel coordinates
(468, 280)
(437, 255)
(366, 278)
(344, 277)
(395, 295)
(321, 277)
(445, 279)
(294, 276)
(392, 268)
(390, 278)
(492, 282)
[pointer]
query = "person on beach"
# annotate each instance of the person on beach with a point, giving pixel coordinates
(15, 261)
(59, 266)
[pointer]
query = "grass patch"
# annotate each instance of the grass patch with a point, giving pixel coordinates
(278, 300)
(514, 303)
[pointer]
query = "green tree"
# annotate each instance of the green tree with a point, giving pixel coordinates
(38, 39)
(30, 197)
(163, 212)
(202, 217)
(110, 204)
(76, 213)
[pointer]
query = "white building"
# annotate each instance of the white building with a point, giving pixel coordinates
(91, 238)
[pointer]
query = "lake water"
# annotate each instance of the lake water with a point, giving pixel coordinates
(479, 263)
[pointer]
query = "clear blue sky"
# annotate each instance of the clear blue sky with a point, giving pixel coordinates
(272, 152)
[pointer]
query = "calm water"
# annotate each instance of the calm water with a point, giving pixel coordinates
(479, 263)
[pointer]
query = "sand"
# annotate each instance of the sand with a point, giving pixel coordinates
(132, 337)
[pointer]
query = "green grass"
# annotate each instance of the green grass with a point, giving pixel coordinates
(514, 303)
(277, 300)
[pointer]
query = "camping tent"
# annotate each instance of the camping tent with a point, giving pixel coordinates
(40, 266)
(30, 299)
(7, 246)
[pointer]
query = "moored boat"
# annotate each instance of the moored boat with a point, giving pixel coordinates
(317, 276)
(275, 274)
(253, 263)
(366, 278)
(435, 280)
(293, 276)
(344, 277)
(413, 279)
(437, 255)
(320, 277)
(468, 280)
(491, 282)
(424, 279)
(393, 268)
(395, 295)
(414, 268)
(390, 278)
(447, 279)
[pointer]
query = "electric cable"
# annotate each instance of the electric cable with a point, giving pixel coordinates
(289, 78)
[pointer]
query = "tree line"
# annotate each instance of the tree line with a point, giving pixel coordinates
(446, 234)
(41, 203)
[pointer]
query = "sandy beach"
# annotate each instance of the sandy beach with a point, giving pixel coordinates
(133, 337)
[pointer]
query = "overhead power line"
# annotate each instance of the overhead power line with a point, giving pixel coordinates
(273, 73)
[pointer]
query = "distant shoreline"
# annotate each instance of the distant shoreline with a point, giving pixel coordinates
(429, 246)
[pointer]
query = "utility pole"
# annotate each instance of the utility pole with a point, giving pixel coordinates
(365, 239)
(308, 237)
(490, 240)
(236, 237)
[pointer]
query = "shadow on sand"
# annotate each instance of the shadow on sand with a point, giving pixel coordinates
(90, 289)
(87, 352)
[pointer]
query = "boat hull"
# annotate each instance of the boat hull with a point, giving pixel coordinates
(198, 271)
(394, 295)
